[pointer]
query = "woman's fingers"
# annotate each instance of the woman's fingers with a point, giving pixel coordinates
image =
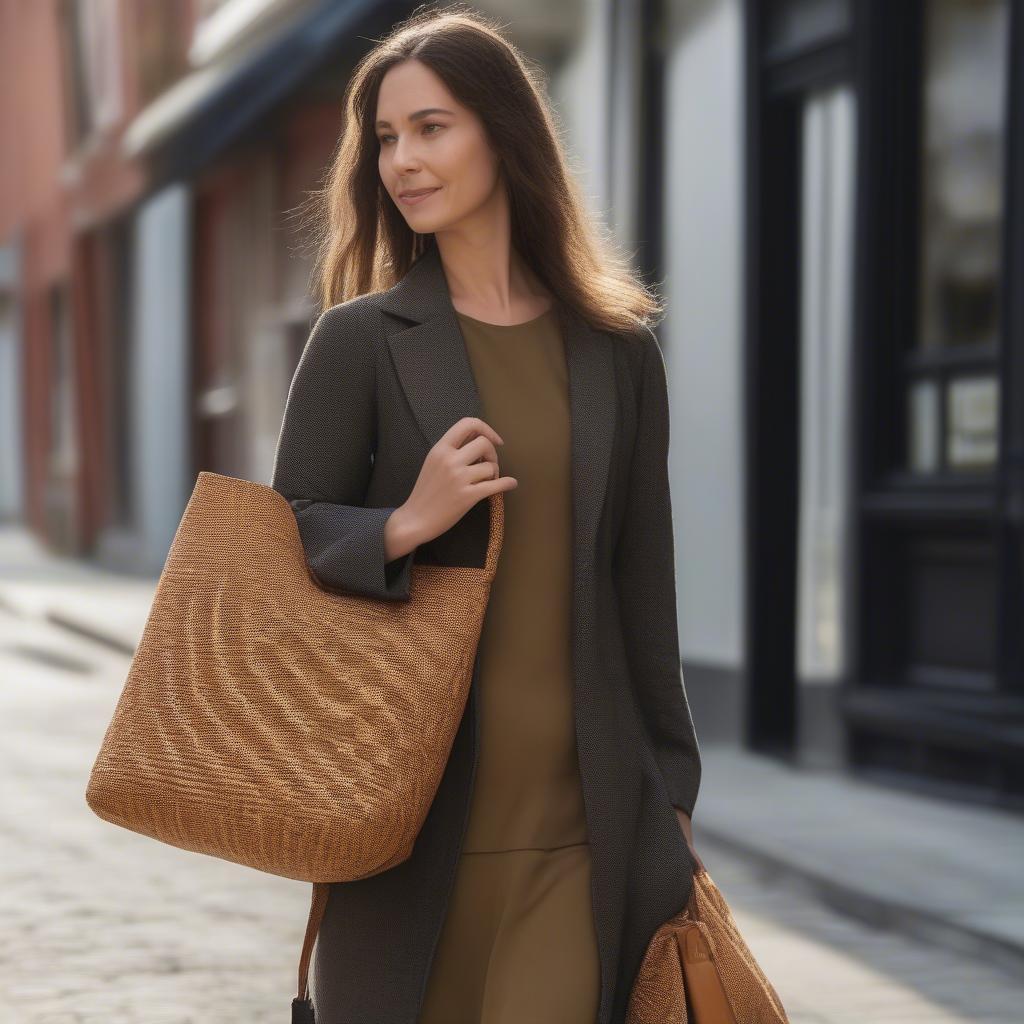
(467, 428)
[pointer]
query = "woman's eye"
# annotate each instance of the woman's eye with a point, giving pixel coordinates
(432, 124)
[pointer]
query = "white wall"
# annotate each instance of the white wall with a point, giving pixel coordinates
(11, 441)
(160, 372)
(825, 524)
(580, 91)
(702, 333)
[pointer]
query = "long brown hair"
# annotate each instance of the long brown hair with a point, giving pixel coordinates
(362, 242)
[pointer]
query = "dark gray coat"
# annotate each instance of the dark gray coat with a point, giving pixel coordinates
(381, 378)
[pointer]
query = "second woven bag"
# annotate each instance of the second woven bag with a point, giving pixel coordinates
(698, 969)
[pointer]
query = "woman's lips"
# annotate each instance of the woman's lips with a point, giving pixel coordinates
(411, 200)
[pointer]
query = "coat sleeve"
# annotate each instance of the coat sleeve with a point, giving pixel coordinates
(324, 456)
(644, 573)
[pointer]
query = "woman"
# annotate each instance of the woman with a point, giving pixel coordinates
(470, 309)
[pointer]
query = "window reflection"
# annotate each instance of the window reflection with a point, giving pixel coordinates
(923, 426)
(973, 416)
(963, 128)
(953, 400)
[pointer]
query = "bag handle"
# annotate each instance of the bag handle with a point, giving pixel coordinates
(495, 532)
(302, 1005)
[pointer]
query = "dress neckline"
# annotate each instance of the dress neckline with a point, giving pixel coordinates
(507, 327)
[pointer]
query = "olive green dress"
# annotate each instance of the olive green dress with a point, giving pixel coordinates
(518, 942)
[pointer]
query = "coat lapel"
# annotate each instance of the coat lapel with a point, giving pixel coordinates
(433, 366)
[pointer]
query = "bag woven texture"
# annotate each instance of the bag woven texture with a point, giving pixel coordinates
(269, 721)
(698, 970)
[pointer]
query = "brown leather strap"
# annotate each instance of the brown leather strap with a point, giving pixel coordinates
(321, 890)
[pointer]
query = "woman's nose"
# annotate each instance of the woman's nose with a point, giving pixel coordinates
(405, 157)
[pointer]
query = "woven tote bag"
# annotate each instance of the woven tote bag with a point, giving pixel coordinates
(272, 722)
(698, 970)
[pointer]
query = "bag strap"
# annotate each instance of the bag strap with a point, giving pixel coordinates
(302, 1005)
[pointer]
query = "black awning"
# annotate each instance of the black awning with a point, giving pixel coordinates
(224, 105)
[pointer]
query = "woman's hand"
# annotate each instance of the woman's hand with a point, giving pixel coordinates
(458, 471)
(687, 826)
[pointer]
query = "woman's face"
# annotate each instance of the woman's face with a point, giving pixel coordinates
(428, 140)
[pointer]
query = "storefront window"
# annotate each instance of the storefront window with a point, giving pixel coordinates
(923, 426)
(972, 420)
(963, 131)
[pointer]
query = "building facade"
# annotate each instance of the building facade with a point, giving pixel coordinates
(876, 368)
(827, 194)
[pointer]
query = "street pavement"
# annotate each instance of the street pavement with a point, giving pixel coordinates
(98, 924)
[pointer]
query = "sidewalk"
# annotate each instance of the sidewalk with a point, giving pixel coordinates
(106, 606)
(944, 872)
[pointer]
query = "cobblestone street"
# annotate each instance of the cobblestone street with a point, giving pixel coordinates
(102, 926)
